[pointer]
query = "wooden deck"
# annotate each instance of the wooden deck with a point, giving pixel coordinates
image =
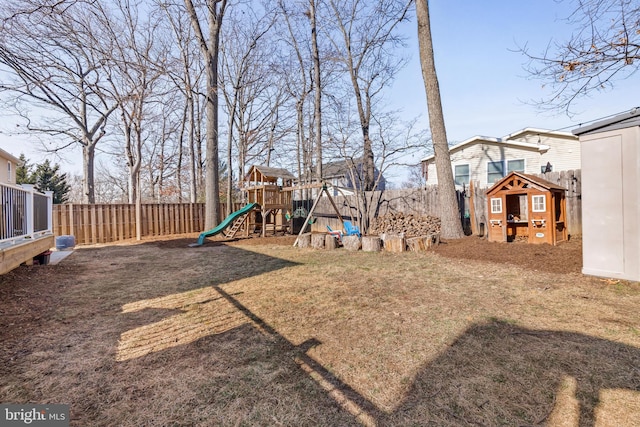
(12, 255)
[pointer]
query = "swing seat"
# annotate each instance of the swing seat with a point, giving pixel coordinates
(351, 230)
(336, 233)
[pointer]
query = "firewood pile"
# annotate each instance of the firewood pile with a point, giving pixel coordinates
(410, 225)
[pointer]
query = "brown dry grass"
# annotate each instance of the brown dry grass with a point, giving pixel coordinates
(239, 334)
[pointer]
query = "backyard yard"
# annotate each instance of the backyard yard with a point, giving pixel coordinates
(256, 332)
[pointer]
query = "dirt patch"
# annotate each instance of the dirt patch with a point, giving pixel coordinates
(256, 332)
(566, 257)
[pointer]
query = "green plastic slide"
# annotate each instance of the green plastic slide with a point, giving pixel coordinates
(224, 224)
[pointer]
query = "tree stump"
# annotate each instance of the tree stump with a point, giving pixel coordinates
(394, 243)
(351, 243)
(330, 242)
(433, 240)
(371, 243)
(317, 241)
(304, 240)
(418, 244)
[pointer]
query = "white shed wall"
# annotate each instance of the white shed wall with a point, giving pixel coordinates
(610, 203)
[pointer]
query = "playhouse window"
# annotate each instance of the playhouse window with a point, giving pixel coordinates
(539, 203)
(496, 205)
(462, 174)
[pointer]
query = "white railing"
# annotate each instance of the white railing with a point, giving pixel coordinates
(24, 213)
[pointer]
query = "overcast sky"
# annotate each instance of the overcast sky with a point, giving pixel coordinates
(483, 84)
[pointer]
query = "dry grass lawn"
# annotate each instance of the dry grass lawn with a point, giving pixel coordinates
(235, 334)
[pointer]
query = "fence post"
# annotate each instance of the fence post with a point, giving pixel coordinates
(49, 195)
(28, 208)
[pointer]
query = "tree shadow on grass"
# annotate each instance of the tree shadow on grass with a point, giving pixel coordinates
(500, 374)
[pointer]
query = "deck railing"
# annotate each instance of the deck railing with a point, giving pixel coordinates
(25, 213)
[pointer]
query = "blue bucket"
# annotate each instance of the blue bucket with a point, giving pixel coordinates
(65, 243)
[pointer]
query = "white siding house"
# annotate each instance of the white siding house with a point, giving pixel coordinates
(8, 164)
(488, 159)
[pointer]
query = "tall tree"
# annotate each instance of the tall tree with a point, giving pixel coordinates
(317, 88)
(48, 53)
(451, 226)
(366, 34)
(24, 174)
(210, 50)
(47, 177)
(604, 49)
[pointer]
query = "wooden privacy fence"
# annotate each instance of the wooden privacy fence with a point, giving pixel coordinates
(105, 223)
(424, 201)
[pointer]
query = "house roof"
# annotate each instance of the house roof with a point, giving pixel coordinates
(500, 141)
(9, 156)
(621, 121)
(269, 172)
(543, 183)
(339, 168)
(538, 131)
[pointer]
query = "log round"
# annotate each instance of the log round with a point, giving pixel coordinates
(304, 240)
(330, 242)
(394, 243)
(371, 243)
(351, 243)
(317, 241)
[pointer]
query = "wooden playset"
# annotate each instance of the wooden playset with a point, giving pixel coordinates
(525, 207)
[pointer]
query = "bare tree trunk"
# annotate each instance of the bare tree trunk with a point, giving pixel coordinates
(449, 214)
(210, 50)
(88, 187)
(317, 113)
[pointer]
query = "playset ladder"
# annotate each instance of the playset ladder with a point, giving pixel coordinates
(231, 232)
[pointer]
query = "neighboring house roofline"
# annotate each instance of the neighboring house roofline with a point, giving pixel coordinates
(11, 157)
(537, 131)
(500, 141)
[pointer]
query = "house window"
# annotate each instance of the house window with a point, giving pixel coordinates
(515, 165)
(462, 174)
(496, 205)
(8, 171)
(495, 171)
(539, 203)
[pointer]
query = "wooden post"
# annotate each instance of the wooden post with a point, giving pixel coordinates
(472, 209)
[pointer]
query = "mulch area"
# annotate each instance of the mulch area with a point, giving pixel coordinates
(566, 257)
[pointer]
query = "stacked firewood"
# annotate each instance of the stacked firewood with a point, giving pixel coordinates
(410, 225)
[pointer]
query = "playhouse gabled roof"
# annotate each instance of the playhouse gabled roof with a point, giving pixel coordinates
(536, 182)
(269, 173)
